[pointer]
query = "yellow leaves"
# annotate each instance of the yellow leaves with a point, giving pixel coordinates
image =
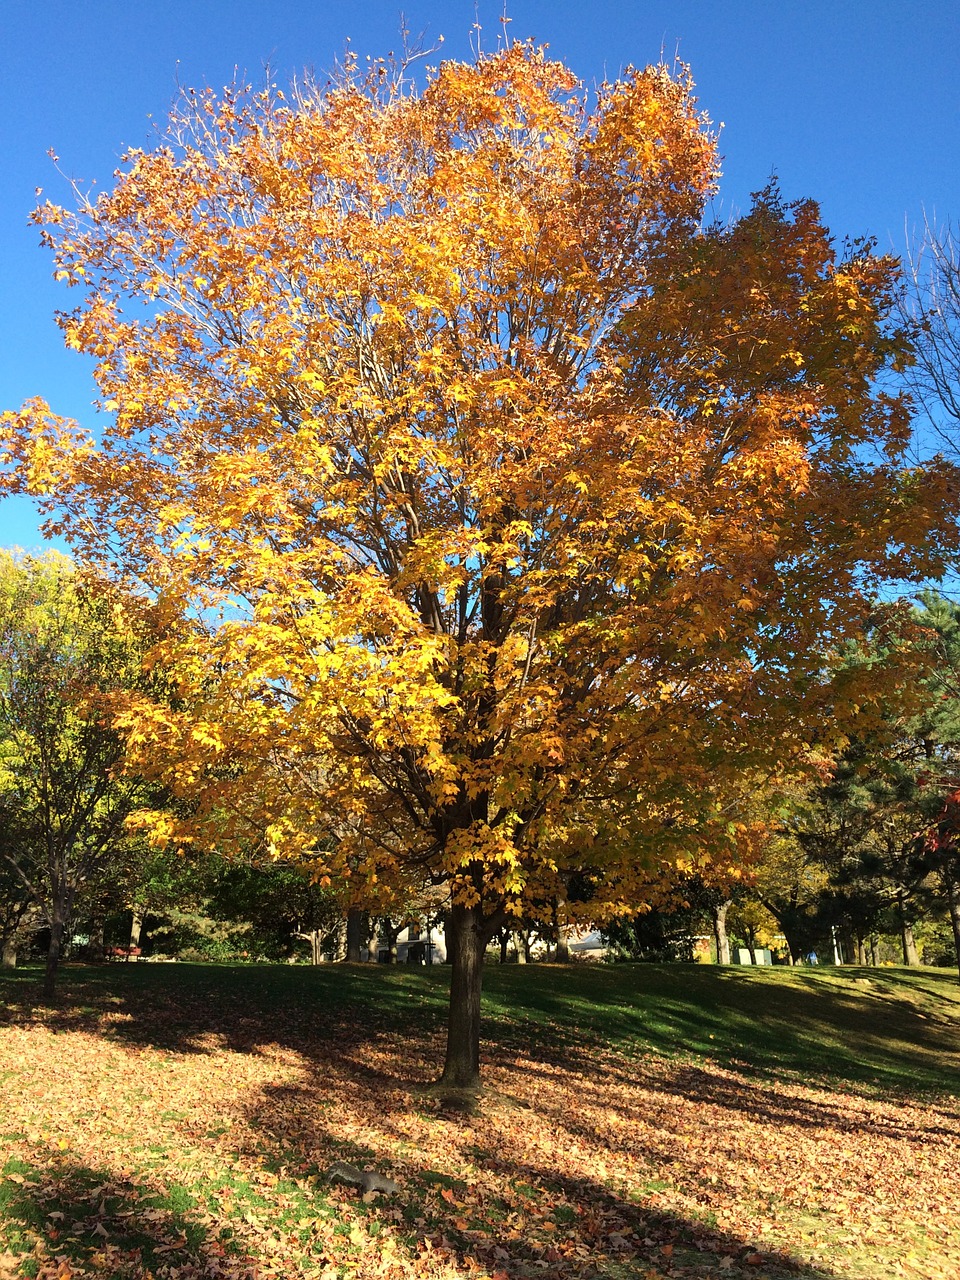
(313, 381)
(487, 475)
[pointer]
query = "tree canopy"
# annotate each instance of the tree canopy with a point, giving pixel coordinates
(516, 508)
(68, 643)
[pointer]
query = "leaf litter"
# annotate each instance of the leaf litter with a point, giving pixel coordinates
(125, 1156)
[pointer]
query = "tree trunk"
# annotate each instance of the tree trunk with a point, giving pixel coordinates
(720, 932)
(911, 956)
(54, 952)
(521, 946)
(9, 953)
(389, 936)
(354, 931)
(875, 951)
(562, 953)
(465, 947)
(136, 927)
(61, 914)
(504, 945)
(860, 952)
(953, 897)
(96, 949)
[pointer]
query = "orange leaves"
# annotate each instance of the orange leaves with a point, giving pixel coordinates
(511, 501)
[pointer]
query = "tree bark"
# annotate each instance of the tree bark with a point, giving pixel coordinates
(136, 927)
(953, 897)
(389, 933)
(61, 913)
(562, 953)
(354, 931)
(911, 955)
(9, 953)
(466, 942)
(518, 942)
(874, 951)
(720, 932)
(54, 953)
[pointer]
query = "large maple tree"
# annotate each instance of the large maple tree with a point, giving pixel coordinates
(515, 506)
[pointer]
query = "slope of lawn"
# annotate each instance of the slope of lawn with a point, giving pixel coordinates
(637, 1123)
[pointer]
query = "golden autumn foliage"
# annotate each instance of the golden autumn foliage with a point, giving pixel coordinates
(514, 508)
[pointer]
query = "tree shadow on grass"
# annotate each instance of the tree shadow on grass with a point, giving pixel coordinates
(538, 1219)
(185, 1008)
(61, 1218)
(863, 1028)
(858, 1027)
(770, 1103)
(506, 1216)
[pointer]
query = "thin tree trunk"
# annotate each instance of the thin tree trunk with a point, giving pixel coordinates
(720, 932)
(875, 951)
(96, 949)
(860, 951)
(521, 948)
(9, 953)
(465, 948)
(61, 913)
(136, 927)
(954, 899)
(911, 956)
(562, 953)
(390, 935)
(54, 953)
(504, 945)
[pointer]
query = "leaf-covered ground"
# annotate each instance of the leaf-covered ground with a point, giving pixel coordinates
(170, 1121)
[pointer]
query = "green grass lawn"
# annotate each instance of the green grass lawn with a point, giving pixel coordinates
(889, 1027)
(173, 1122)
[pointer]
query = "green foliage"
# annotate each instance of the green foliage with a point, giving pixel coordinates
(68, 644)
(277, 900)
(656, 936)
(854, 852)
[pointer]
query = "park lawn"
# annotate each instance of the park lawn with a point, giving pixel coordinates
(637, 1122)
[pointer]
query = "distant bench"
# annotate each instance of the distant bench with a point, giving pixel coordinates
(123, 953)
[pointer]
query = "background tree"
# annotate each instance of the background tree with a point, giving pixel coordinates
(855, 839)
(17, 914)
(66, 643)
(280, 903)
(931, 306)
(516, 507)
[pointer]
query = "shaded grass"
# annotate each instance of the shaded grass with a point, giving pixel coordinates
(882, 1029)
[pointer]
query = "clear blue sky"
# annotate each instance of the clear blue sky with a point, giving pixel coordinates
(854, 102)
